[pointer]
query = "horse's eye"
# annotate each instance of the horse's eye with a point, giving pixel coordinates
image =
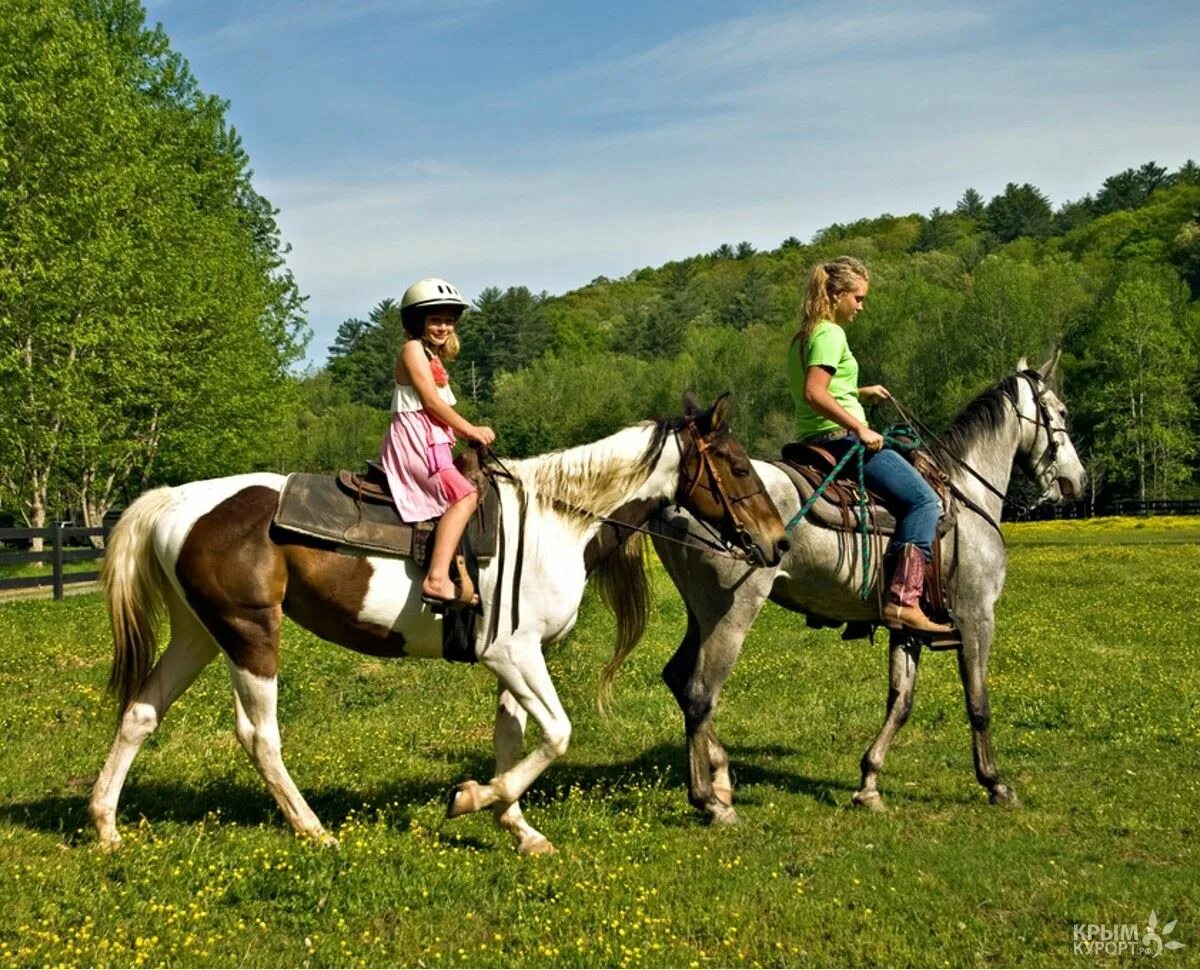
(740, 471)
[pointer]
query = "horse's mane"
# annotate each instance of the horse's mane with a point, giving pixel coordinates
(983, 417)
(594, 479)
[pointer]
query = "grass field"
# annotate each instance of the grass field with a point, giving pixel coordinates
(1096, 721)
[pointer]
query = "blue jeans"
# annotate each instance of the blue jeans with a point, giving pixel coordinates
(906, 494)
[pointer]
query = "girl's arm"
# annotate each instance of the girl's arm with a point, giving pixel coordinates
(412, 367)
(817, 396)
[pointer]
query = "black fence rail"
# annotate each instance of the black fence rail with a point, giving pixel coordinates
(1129, 506)
(59, 549)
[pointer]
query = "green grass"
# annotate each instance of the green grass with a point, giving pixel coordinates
(1096, 719)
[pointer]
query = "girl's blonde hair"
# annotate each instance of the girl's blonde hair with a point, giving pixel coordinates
(826, 282)
(449, 350)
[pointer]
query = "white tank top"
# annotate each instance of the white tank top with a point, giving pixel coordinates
(405, 397)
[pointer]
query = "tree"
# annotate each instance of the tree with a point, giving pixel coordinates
(327, 431)
(970, 205)
(506, 331)
(1072, 215)
(557, 402)
(752, 302)
(937, 232)
(1142, 369)
(1132, 188)
(1185, 252)
(362, 358)
(146, 317)
(1022, 210)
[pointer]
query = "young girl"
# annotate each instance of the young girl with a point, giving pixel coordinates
(416, 452)
(823, 376)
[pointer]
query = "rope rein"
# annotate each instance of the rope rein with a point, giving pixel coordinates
(899, 437)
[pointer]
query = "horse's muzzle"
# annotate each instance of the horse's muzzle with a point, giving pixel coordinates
(758, 557)
(1067, 489)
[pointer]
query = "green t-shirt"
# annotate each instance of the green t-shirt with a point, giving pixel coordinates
(826, 347)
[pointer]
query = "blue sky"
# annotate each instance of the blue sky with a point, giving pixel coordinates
(517, 142)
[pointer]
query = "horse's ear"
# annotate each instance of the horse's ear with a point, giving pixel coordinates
(1022, 364)
(690, 405)
(720, 409)
(1047, 369)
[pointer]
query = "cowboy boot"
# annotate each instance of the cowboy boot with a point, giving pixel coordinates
(903, 609)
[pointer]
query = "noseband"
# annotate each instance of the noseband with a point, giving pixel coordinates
(715, 486)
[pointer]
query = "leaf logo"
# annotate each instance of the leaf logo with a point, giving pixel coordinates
(1152, 941)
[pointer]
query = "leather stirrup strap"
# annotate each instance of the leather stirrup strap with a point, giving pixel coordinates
(466, 587)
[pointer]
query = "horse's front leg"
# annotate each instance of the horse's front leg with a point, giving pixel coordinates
(520, 667)
(695, 674)
(904, 655)
(972, 671)
(509, 743)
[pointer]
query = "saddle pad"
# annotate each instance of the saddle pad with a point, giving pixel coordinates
(833, 514)
(315, 505)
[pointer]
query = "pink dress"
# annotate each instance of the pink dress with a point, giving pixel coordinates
(416, 454)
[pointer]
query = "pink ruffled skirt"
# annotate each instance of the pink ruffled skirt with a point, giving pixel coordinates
(420, 470)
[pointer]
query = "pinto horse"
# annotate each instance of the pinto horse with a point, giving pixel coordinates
(209, 553)
(1020, 419)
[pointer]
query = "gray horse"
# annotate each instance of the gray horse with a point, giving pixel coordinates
(1020, 419)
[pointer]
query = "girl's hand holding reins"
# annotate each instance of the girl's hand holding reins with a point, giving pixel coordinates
(874, 393)
(872, 440)
(481, 434)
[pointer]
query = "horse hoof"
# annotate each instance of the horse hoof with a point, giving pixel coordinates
(1003, 795)
(109, 844)
(872, 801)
(463, 799)
(721, 815)
(536, 845)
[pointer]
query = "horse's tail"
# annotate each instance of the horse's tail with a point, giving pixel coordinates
(133, 581)
(624, 587)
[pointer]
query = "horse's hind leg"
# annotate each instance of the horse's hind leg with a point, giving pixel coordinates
(256, 702)
(191, 648)
(904, 654)
(508, 739)
(972, 670)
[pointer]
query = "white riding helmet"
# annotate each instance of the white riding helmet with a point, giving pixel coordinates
(432, 292)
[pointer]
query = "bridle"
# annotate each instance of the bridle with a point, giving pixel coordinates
(707, 477)
(1048, 460)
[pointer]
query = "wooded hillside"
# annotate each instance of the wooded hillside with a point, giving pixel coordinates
(957, 297)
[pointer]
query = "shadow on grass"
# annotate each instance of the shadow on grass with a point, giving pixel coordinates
(250, 805)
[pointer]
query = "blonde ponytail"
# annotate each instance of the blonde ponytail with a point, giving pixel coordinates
(826, 282)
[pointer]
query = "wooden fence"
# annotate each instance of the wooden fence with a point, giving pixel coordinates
(1129, 506)
(57, 552)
